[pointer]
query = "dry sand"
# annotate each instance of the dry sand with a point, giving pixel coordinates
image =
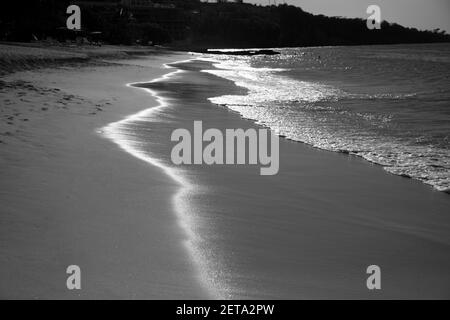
(26, 56)
(70, 197)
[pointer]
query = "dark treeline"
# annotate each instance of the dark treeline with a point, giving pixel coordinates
(194, 24)
(283, 26)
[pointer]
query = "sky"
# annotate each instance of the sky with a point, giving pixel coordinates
(421, 14)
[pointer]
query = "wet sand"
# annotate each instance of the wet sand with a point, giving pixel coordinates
(312, 230)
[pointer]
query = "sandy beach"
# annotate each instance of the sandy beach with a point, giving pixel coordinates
(70, 194)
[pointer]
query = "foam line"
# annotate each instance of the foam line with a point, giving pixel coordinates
(180, 200)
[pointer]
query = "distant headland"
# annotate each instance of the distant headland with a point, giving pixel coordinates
(187, 24)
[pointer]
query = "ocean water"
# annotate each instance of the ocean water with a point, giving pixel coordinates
(387, 104)
(310, 231)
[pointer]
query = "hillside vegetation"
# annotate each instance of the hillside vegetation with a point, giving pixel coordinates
(190, 23)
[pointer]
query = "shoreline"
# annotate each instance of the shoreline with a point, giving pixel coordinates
(69, 196)
(317, 199)
(113, 132)
(436, 182)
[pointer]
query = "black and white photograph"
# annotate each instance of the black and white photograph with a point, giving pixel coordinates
(246, 150)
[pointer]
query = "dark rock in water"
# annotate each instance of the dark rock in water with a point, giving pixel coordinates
(267, 52)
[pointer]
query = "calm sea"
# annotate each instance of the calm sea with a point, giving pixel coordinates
(387, 104)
